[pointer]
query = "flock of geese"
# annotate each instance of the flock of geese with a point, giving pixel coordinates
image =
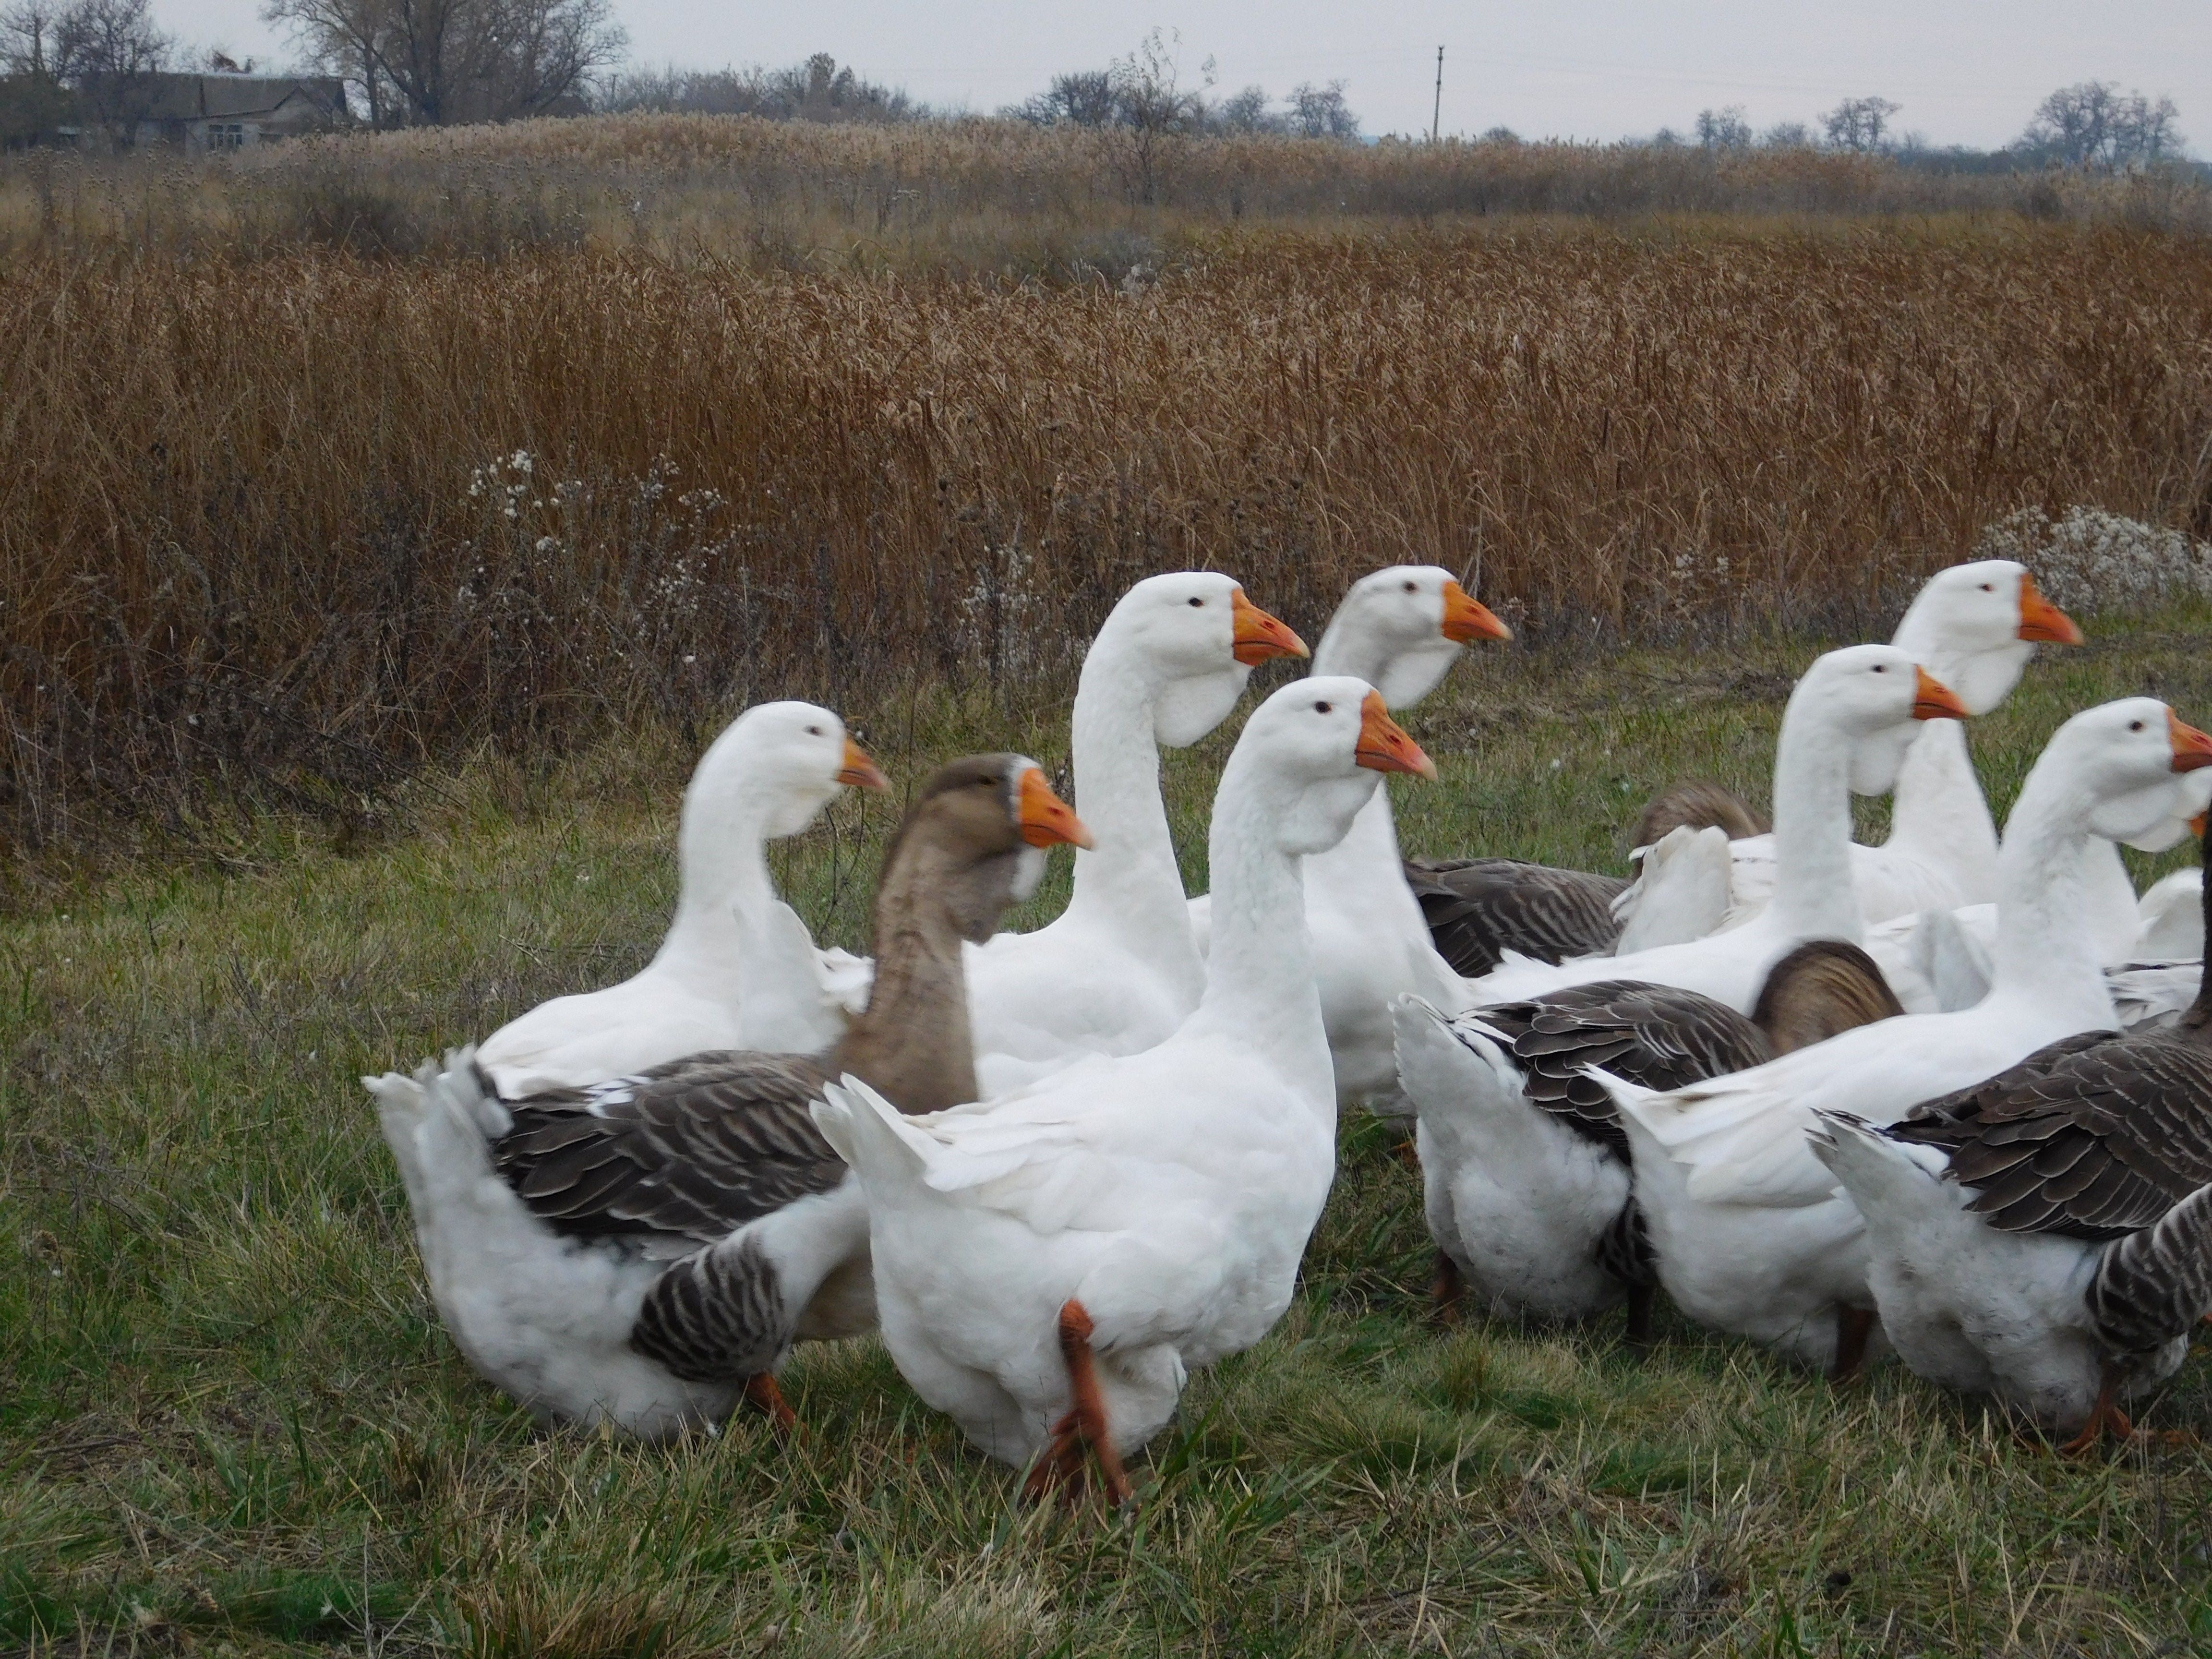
(1949, 1095)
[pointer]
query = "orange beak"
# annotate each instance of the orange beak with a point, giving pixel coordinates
(1045, 817)
(2192, 748)
(2042, 620)
(1258, 635)
(860, 771)
(1383, 745)
(2196, 828)
(1932, 700)
(1467, 619)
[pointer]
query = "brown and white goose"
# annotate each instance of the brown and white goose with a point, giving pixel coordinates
(642, 1252)
(2046, 1236)
(1524, 1165)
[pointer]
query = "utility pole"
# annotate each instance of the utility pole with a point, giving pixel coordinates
(1436, 119)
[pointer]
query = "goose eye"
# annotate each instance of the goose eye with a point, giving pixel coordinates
(1409, 587)
(1881, 668)
(1989, 587)
(813, 731)
(1321, 708)
(2134, 726)
(1197, 604)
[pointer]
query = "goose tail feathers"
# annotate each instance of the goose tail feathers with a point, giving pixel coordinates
(871, 1134)
(2155, 1285)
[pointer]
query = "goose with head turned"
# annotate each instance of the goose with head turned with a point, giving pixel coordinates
(641, 1253)
(1750, 1234)
(2046, 1235)
(1524, 1168)
(737, 969)
(1846, 726)
(1400, 629)
(1051, 1265)
(1116, 971)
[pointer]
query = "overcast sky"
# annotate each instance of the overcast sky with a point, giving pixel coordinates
(1966, 71)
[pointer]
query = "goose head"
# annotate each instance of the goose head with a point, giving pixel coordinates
(2123, 768)
(1975, 626)
(1324, 743)
(1189, 640)
(977, 832)
(773, 768)
(1868, 698)
(1402, 628)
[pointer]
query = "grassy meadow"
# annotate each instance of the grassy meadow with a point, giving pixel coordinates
(232, 1424)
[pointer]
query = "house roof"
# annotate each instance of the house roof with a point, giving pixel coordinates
(233, 97)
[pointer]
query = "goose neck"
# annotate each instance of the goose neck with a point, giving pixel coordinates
(1348, 648)
(1939, 809)
(1260, 977)
(721, 868)
(2045, 950)
(913, 1041)
(1812, 893)
(1131, 875)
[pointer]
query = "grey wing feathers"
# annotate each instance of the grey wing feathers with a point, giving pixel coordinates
(1819, 989)
(1479, 908)
(717, 1315)
(2155, 1284)
(692, 1150)
(1655, 1036)
(1700, 805)
(2093, 1137)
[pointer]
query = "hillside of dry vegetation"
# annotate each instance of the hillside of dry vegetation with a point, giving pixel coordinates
(287, 527)
(998, 199)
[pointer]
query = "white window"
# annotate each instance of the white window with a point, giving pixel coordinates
(221, 136)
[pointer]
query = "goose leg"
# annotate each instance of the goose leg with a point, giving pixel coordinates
(1642, 1307)
(1853, 1327)
(1446, 1290)
(1083, 1427)
(762, 1394)
(2107, 1417)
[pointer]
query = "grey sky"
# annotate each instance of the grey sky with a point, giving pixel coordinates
(1966, 71)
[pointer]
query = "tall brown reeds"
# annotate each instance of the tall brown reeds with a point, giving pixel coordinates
(295, 524)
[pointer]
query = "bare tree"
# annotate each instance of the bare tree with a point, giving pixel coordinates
(1723, 129)
(1083, 98)
(1154, 110)
(2095, 124)
(1787, 135)
(1859, 123)
(108, 52)
(429, 62)
(27, 35)
(1246, 111)
(1322, 113)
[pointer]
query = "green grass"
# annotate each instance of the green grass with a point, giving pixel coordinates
(231, 1422)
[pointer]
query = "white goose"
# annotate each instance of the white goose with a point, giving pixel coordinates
(2046, 1235)
(1750, 1234)
(1051, 1265)
(1116, 971)
(1974, 627)
(1400, 630)
(737, 969)
(1845, 729)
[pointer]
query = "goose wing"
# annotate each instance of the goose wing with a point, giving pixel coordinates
(1653, 1036)
(1479, 908)
(688, 1151)
(2093, 1136)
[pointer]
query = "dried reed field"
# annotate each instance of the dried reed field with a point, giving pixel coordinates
(289, 527)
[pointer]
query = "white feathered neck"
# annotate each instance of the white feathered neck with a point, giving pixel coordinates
(1814, 897)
